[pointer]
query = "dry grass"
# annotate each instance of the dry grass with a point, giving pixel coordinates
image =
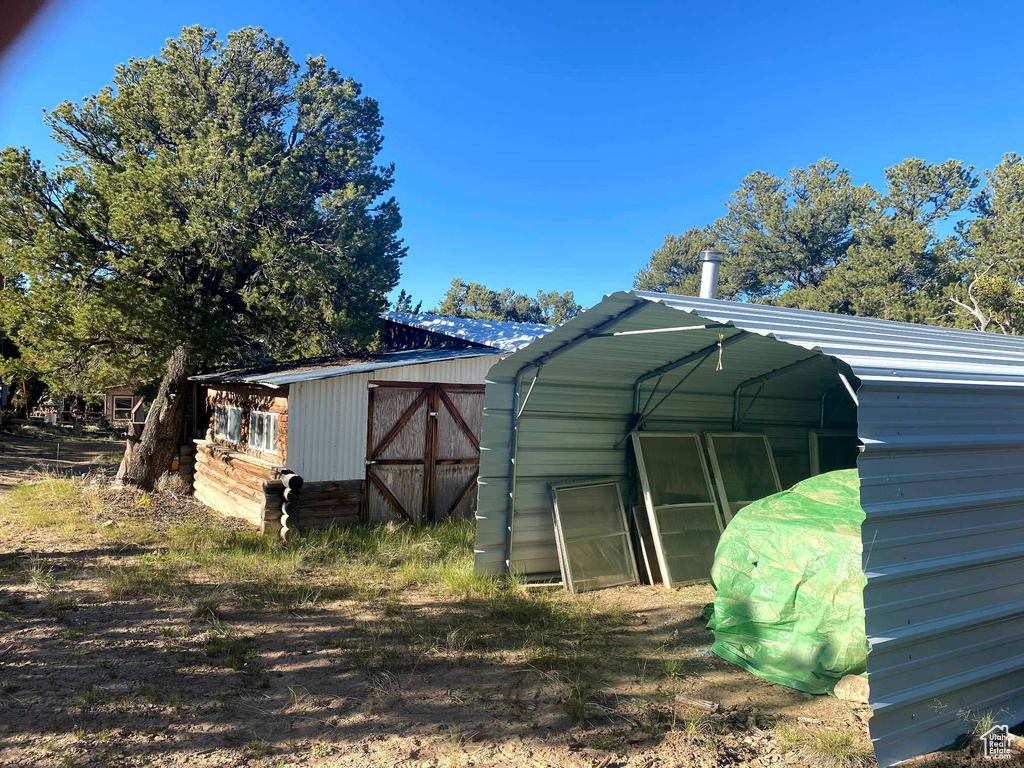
(211, 566)
(210, 560)
(825, 748)
(403, 600)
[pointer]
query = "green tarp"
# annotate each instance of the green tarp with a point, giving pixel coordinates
(789, 605)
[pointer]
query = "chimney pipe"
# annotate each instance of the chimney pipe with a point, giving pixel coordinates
(710, 262)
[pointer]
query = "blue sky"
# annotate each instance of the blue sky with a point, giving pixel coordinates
(554, 145)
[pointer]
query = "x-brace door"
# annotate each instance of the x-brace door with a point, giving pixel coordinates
(422, 450)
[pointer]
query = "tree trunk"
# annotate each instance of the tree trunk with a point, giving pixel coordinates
(132, 438)
(146, 459)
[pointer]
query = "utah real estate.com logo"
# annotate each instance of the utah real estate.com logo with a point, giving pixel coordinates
(996, 741)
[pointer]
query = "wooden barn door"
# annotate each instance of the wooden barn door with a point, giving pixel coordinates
(422, 451)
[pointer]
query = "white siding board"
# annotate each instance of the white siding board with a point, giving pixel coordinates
(327, 417)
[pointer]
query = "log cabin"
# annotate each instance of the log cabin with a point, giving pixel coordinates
(393, 435)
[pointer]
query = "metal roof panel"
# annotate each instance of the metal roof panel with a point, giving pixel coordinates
(499, 334)
(282, 376)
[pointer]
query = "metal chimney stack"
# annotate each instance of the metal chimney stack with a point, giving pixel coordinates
(710, 262)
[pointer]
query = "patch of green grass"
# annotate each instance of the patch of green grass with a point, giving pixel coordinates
(40, 575)
(258, 748)
(237, 653)
(150, 694)
(87, 698)
(825, 748)
(155, 575)
(697, 727)
(673, 667)
(262, 571)
(70, 634)
(207, 567)
(53, 502)
(321, 749)
(61, 601)
(577, 702)
(207, 608)
(606, 741)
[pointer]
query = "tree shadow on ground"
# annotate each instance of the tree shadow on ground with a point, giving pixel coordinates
(147, 682)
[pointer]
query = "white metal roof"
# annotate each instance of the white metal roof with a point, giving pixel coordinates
(282, 375)
(876, 350)
(498, 334)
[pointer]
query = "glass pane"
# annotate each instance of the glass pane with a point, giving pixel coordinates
(837, 452)
(674, 470)
(745, 467)
(234, 424)
(597, 563)
(790, 467)
(689, 537)
(736, 506)
(590, 511)
(596, 543)
(255, 430)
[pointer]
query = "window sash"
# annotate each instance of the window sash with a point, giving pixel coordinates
(263, 431)
(227, 423)
(123, 412)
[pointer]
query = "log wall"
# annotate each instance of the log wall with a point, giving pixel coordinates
(268, 495)
(187, 463)
(329, 502)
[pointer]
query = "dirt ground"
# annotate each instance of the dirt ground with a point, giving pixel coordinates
(26, 452)
(90, 680)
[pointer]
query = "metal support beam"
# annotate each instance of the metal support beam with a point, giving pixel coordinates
(849, 388)
(728, 341)
(647, 331)
(762, 379)
(528, 393)
(518, 408)
(824, 398)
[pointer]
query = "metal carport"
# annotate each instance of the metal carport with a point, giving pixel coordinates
(940, 413)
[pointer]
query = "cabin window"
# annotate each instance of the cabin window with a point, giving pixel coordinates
(263, 431)
(123, 408)
(227, 423)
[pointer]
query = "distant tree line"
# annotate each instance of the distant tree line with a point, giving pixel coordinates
(477, 301)
(939, 244)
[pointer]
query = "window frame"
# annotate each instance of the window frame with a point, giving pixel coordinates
(561, 542)
(273, 419)
(716, 469)
(653, 510)
(814, 444)
(114, 407)
(226, 435)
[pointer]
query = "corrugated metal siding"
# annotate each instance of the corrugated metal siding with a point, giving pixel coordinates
(942, 418)
(942, 483)
(327, 418)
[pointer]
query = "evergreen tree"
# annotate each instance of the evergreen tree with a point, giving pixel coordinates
(216, 203)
